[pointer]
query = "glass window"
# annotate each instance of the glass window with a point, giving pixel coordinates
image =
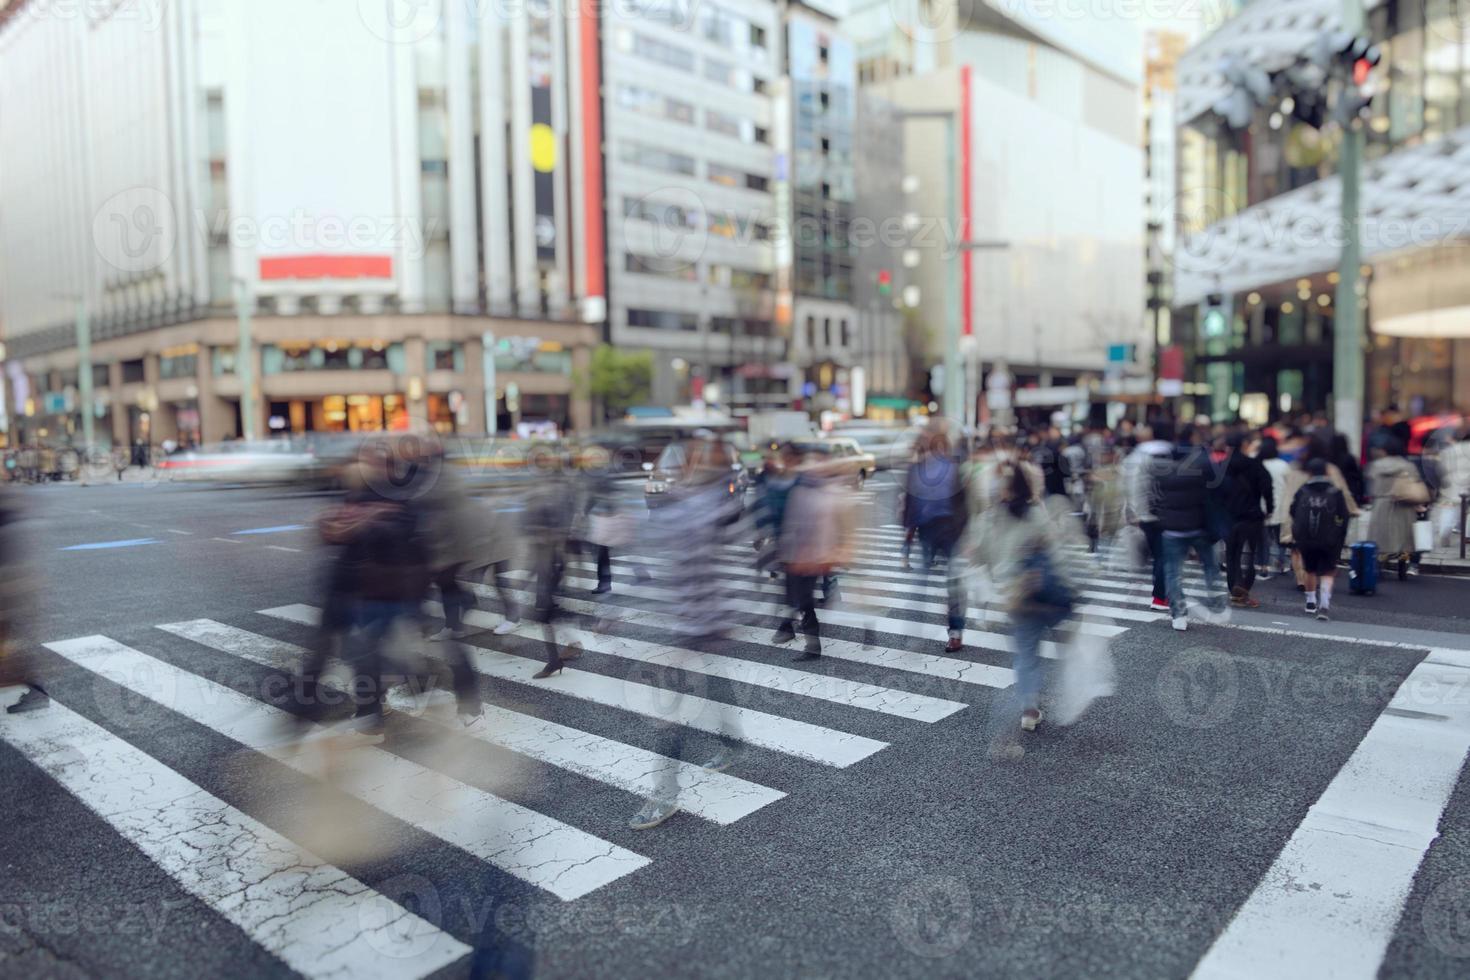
(223, 359)
(725, 176)
(532, 355)
(330, 355)
(180, 363)
(132, 372)
(757, 182)
(719, 71)
(1442, 55)
(1406, 77)
(667, 268)
(669, 55)
(722, 123)
(740, 326)
(656, 104)
(101, 375)
(668, 215)
(444, 355)
(662, 320)
(651, 157)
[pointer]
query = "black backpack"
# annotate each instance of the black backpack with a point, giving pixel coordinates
(1316, 516)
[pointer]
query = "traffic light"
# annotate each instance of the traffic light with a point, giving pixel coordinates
(1360, 56)
(885, 282)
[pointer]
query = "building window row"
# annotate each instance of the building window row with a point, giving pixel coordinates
(741, 326)
(725, 224)
(661, 53)
(329, 355)
(664, 268)
(733, 277)
(653, 158)
(656, 104)
(662, 319)
(844, 332)
(731, 177)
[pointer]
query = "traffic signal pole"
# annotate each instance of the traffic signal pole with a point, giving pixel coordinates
(1347, 342)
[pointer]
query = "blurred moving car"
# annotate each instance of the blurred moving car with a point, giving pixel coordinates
(844, 457)
(256, 461)
(664, 476)
(891, 447)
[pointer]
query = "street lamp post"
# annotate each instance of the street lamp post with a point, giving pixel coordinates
(1347, 327)
(244, 369)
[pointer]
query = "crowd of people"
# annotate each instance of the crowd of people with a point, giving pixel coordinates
(1010, 520)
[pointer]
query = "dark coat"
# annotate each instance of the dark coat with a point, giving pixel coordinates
(1181, 485)
(1247, 484)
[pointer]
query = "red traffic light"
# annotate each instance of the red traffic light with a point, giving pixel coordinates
(1362, 68)
(884, 277)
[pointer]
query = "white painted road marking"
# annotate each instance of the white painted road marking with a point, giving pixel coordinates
(102, 545)
(547, 853)
(312, 916)
(1331, 902)
(801, 739)
(714, 796)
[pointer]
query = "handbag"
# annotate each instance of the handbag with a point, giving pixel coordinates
(1409, 489)
(610, 530)
(1423, 535)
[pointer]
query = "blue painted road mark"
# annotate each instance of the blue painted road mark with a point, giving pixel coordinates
(272, 530)
(98, 545)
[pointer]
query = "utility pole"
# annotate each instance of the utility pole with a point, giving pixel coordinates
(244, 360)
(84, 379)
(1347, 337)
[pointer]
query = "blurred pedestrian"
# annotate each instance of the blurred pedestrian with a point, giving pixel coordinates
(1398, 497)
(17, 587)
(1020, 546)
(1317, 446)
(1156, 442)
(934, 505)
(1454, 482)
(1272, 554)
(1249, 498)
(548, 525)
(1319, 516)
(1181, 488)
(816, 539)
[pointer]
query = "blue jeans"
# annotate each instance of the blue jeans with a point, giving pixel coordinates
(1026, 660)
(935, 548)
(1176, 550)
(374, 618)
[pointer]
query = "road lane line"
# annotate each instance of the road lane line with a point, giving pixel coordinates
(788, 736)
(278, 529)
(227, 540)
(535, 848)
(311, 915)
(174, 530)
(281, 547)
(101, 545)
(717, 797)
(1331, 902)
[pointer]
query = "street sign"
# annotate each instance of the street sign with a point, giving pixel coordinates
(53, 403)
(1120, 353)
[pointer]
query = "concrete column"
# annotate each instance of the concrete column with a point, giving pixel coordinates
(494, 197)
(119, 410)
(474, 386)
(415, 357)
(163, 425)
(464, 279)
(581, 402)
(523, 191)
(260, 404)
(407, 168)
(215, 420)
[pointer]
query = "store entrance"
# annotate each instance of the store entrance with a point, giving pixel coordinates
(339, 413)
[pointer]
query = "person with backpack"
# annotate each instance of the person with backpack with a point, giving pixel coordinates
(1022, 547)
(935, 506)
(1317, 446)
(1248, 499)
(1319, 516)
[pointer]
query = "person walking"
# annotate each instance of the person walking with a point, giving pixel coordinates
(934, 505)
(1021, 547)
(603, 524)
(1398, 496)
(1272, 552)
(1319, 516)
(1248, 499)
(1317, 446)
(1454, 483)
(1139, 472)
(1180, 487)
(548, 521)
(816, 539)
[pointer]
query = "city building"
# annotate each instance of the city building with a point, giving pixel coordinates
(1162, 51)
(688, 126)
(819, 170)
(1257, 267)
(406, 220)
(1035, 247)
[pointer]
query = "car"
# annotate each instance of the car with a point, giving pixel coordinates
(255, 461)
(844, 456)
(891, 447)
(665, 474)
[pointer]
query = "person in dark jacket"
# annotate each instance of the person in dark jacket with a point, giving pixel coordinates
(1342, 457)
(1248, 499)
(1181, 485)
(934, 505)
(1319, 516)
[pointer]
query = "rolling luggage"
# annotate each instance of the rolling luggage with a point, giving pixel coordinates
(1363, 568)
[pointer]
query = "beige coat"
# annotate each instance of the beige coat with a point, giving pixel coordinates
(1391, 524)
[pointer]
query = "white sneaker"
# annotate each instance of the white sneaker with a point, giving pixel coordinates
(448, 634)
(1181, 623)
(506, 626)
(1030, 719)
(1208, 615)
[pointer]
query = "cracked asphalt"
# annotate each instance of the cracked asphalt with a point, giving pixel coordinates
(1119, 846)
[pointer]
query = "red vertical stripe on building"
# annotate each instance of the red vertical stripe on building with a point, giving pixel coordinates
(594, 258)
(967, 279)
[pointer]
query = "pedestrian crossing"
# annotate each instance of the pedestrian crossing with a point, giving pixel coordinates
(882, 636)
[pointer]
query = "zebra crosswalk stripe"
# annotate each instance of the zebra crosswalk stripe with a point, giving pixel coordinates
(814, 743)
(312, 916)
(717, 797)
(544, 852)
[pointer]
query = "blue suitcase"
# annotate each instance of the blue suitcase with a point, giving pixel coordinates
(1363, 568)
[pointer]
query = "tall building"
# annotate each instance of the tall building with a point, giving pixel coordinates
(691, 216)
(1256, 269)
(820, 170)
(405, 214)
(1027, 219)
(1162, 51)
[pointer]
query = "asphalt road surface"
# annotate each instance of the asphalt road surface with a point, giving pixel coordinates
(1276, 797)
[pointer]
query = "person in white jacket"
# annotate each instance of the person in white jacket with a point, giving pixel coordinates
(1454, 483)
(1154, 445)
(1272, 548)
